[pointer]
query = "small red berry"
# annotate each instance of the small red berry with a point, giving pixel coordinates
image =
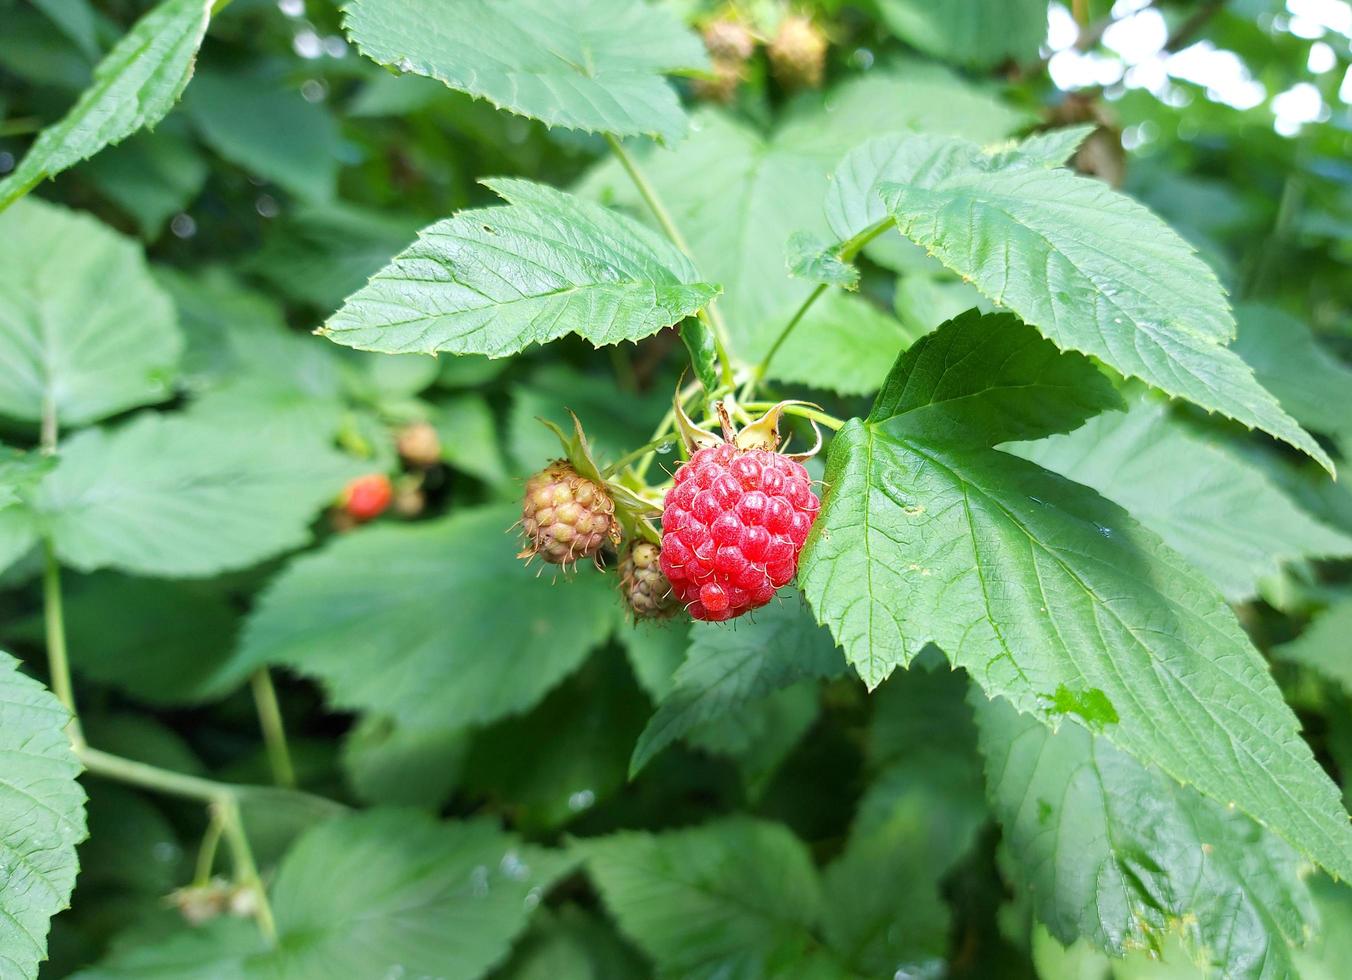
(733, 527)
(366, 497)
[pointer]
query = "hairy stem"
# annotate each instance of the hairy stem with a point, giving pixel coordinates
(710, 315)
(274, 729)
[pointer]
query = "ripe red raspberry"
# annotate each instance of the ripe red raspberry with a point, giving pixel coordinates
(732, 528)
(566, 517)
(646, 590)
(366, 497)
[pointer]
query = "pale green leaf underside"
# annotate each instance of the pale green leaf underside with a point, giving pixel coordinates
(1093, 270)
(726, 670)
(1059, 601)
(1219, 511)
(496, 280)
(134, 86)
(1122, 855)
(385, 893)
(82, 324)
(726, 900)
(969, 32)
(595, 66)
(432, 624)
(177, 495)
(42, 818)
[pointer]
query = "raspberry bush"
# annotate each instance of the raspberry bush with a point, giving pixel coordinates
(619, 488)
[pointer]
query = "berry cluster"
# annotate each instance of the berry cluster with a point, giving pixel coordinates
(733, 527)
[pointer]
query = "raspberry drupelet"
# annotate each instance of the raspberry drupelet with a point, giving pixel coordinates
(733, 526)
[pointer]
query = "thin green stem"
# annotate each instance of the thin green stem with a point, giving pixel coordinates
(274, 729)
(710, 315)
(648, 193)
(846, 253)
(150, 777)
(58, 659)
(206, 853)
(246, 871)
(759, 373)
(53, 610)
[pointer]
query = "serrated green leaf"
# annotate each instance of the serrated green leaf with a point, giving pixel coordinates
(816, 260)
(428, 624)
(134, 86)
(1312, 384)
(1215, 508)
(1057, 600)
(725, 670)
(1049, 244)
(1053, 147)
(43, 815)
(1122, 855)
(369, 895)
(1324, 645)
(496, 280)
(83, 325)
(392, 888)
(982, 379)
(596, 67)
(755, 191)
(970, 32)
(844, 343)
(731, 899)
(184, 496)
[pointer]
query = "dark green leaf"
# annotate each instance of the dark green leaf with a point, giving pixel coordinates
(42, 811)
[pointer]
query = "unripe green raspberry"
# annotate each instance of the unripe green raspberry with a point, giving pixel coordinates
(798, 53)
(644, 586)
(566, 517)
